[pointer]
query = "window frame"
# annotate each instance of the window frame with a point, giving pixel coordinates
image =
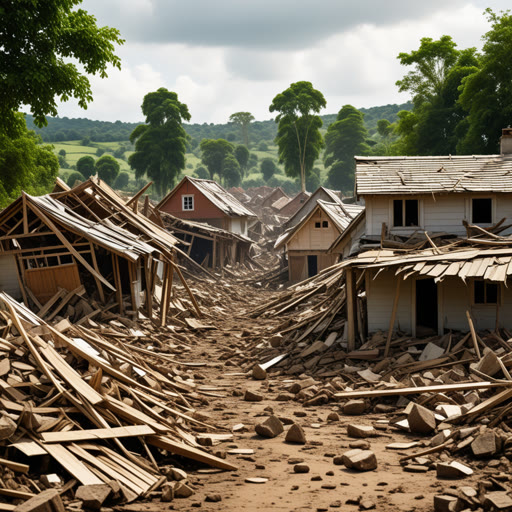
(184, 199)
(486, 282)
(403, 200)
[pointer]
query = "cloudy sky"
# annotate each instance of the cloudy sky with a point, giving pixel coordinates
(226, 56)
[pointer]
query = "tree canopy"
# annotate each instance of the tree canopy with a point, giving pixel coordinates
(214, 152)
(85, 166)
(107, 168)
(242, 119)
(44, 42)
(487, 92)
(268, 168)
(24, 163)
(160, 144)
(231, 171)
(242, 156)
(298, 134)
(433, 127)
(344, 139)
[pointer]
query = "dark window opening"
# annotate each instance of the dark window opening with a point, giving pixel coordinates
(482, 211)
(485, 293)
(398, 219)
(405, 212)
(318, 225)
(325, 224)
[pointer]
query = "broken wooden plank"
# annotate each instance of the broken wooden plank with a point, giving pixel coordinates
(98, 433)
(465, 386)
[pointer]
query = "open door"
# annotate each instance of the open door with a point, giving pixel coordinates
(426, 305)
(312, 265)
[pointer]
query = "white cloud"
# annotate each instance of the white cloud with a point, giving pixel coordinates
(235, 55)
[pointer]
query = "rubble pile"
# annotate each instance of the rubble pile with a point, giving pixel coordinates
(101, 409)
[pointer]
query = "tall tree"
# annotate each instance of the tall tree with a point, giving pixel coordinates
(160, 144)
(439, 69)
(37, 39)
(242, 119)
(487, 93)
(345, 138)
(268, 168)
(214, 152)
(298, 135)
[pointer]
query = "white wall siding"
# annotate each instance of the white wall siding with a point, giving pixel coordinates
(442, 212)
(380, 297)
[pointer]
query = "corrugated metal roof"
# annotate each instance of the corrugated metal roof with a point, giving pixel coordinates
(433, 174)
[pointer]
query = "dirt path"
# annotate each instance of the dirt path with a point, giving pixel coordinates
(326, 486)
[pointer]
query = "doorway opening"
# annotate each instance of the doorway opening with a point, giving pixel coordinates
(426, 304)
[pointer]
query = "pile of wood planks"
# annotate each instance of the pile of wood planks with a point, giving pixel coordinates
(95, 402)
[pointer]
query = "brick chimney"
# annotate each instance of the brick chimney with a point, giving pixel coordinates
(506, 141)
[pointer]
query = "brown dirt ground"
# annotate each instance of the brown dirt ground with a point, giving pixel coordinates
(389, 487)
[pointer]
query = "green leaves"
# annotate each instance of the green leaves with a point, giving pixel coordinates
(160, 145)
(37, 39)
(298, 136)
(344, 139)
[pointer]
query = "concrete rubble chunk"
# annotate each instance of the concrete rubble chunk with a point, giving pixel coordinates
(485, 445)
(251, 396)
(46, 501)
(361, 431)
(271, 427)
(354, 407)
(259, 373)
(498, 501)
(296, 434)
(453, 469)
(93, 496)
(182, 490)
(446, 503)
(360, 460)
(421, 420)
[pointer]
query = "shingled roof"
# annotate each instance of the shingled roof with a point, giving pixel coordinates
(433, 174)
(218, 195)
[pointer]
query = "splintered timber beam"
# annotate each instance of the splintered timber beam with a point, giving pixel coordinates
(189, 291)
(464, 386)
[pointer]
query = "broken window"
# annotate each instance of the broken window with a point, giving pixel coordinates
(485, 292)
(482, 210)
(405, 212)
(187, 202)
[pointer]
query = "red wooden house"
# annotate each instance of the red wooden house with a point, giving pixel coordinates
(206, 201)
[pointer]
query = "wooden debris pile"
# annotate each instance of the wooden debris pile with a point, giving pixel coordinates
(94, 406)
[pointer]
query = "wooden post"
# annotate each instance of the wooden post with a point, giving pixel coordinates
(148, 264)
(164, 299)
(351, 308)
(117, 281)
(473, 334)
(95, 265)
(25, 213)
(393, 316)
(214, 257)
(189, 291)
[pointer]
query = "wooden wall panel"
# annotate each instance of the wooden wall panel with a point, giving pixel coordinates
(45, 282)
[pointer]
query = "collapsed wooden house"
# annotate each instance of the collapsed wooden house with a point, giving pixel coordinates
(455, 205)
(207, 245)
(308, 241)
(85, 236)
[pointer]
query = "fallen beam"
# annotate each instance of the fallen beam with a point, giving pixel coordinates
(465, 386)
